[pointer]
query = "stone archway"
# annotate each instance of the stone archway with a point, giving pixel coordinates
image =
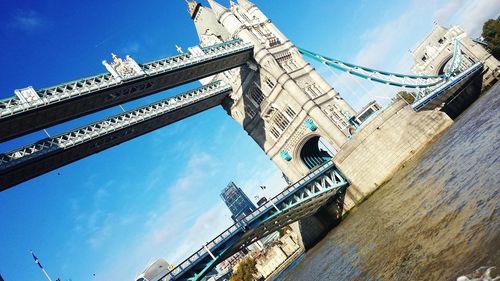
(443, 65)
(316, 151)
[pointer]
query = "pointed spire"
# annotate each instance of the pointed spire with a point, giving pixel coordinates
(218, 9)
(192, 4)
(246, 4)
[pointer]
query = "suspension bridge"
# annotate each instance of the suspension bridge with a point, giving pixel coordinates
(31, 110)
(24, 113)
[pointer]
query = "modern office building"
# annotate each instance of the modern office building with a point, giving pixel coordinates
(237, 201)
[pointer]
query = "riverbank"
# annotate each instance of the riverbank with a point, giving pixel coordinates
(436, 219)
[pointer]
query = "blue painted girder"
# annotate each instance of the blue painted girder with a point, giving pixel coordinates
(323, 183)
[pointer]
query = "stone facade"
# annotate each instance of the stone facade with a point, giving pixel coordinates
(433, 55)
(384, 144)
(288, 108)
(279, 99)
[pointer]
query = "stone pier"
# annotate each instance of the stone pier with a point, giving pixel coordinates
(372, 157)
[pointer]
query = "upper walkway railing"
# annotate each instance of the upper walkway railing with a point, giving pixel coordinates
(123, 83)
(100, 135)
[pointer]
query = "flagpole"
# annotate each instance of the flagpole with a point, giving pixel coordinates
(41, 267)
(47, 275)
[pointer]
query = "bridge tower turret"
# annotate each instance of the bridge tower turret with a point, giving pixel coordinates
(279, 99)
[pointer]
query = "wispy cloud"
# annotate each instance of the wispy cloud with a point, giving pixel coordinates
(386, 46)
(27, 20)
(180, 224)
(473, 14)
(131, 48)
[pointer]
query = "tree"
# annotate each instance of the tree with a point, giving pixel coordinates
(409, 97)
(491, 34)
(245, 271)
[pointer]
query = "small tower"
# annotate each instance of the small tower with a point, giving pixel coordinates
(192, 6)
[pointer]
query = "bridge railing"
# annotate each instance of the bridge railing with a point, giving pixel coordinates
(229, 232)
(421, 103)
(111, 124)
(290, 189)
(84, 86)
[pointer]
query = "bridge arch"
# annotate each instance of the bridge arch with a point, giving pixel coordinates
(440, 70)
(314, 151)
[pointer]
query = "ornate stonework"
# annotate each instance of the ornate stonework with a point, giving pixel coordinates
(278, 91)
(123, 69)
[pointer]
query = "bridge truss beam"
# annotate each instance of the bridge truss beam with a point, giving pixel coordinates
(53, 105)
(46, 155)
(297, 201)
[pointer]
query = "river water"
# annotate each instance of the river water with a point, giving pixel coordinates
(436, 219)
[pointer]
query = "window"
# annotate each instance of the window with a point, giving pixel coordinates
(259, 31)
(310, 90)
(269, 83)
(244, 16)
(257, 95)
(290, 112)
(283, 56)
(249, 111)
(273, 41)
(281, 121)
(275, 132)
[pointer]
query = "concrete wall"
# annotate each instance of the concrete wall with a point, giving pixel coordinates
(378, 151)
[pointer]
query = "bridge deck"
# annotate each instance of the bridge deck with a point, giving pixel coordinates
(440, 95)
(297, 201)
(73, 99)
(51, 153)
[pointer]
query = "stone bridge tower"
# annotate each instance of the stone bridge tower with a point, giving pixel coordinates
(433, 55)
(279, 99)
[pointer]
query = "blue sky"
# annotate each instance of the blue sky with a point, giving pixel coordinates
(158, 195)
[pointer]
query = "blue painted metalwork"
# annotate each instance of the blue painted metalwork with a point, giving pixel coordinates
(442, 93)
(311, 155)
(380, 76)
(285, 155)
(310, 125)
(456, 59)
(298, 200)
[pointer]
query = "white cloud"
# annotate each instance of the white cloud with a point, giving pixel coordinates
(473, 14)
(131, 48)
(386, 46)
(27, 20)
(175, 227)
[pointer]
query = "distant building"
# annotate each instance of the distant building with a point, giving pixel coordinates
(155, 271)
(237, 201)
(275, 256)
